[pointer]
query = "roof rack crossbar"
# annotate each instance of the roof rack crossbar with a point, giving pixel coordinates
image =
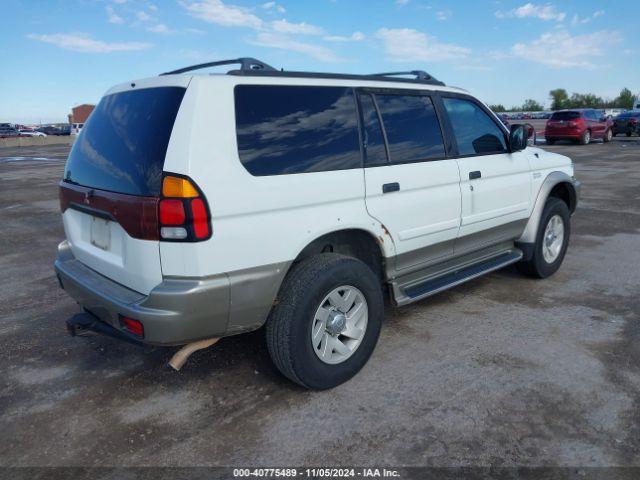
(419, 74)
(246, 64)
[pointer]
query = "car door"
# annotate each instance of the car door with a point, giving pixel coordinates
(412, 188)
(495, 184)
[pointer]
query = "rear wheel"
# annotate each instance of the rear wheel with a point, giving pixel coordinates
(550, 141)
(552, 240)
(326, 321)
(585, 139)
(629, 133)
(608, 135)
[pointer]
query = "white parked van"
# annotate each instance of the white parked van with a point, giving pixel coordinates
(197, 207)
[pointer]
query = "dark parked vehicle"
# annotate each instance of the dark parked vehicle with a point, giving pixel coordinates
(627, 123)
(579, 125)
(8, 130)
(53, 130)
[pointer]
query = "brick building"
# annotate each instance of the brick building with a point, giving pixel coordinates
(80, 113)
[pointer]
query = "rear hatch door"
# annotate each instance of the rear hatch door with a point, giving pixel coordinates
(111, 185)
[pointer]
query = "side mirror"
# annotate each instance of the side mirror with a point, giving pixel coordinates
(518, 138)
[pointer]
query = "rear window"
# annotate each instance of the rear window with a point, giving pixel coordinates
(565, 116)
(629, 115)
(122, 146)
(296, 129)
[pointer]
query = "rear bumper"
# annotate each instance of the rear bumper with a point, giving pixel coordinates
(175, 312)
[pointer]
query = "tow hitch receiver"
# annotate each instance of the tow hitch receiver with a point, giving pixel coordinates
(86, 322)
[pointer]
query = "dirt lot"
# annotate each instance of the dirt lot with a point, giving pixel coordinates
(501, 371)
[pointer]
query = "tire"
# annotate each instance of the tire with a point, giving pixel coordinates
(629, 133)
(608, 135)
(585, 138)
(550, 141)
(290, 323)
(539, 265)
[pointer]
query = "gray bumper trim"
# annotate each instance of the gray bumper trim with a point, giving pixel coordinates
(176, 312)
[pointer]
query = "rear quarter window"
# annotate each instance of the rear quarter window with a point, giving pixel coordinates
(296, 129)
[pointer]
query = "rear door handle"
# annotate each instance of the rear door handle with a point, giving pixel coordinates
(391, 187)
(475, 175)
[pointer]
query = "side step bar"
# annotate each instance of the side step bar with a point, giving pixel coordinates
(418, 291)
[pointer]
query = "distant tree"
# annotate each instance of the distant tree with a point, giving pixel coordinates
(559, 98)
(498, 108)
(624, 100)
(584, 100)
(530, 105)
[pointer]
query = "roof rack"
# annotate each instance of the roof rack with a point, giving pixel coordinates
(246, 63)
(419, 74)
(252, 67)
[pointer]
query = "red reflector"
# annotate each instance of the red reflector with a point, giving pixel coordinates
(200, 221)
(171, 212)
(133, 326)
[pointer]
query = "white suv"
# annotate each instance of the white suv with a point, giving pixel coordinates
(202, 206)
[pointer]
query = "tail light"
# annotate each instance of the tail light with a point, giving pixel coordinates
(183, 211)
(633, 120)
(132, 326)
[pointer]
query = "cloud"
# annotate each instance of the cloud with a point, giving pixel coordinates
(443, 14)
(159, 28)
(274, 6)
(83, 43)
(215, 11)
(112, 16)
(143, 16)
(562, 50)
(577, 20)
(530, 10)
(282, 26)
(410, 46)
(354, 37)
(284, 42)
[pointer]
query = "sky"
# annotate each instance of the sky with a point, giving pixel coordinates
(59, 53)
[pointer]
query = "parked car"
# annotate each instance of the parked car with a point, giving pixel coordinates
(8, 130)
(76, 128)
(53, 130)
(31, 133)
(504, 119)
(222, 203)
(578, 125)
(627, 123)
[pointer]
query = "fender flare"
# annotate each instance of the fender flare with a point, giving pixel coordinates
(553, 179)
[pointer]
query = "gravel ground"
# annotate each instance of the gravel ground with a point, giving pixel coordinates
(501, 371)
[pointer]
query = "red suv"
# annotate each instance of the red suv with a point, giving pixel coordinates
(580, 125)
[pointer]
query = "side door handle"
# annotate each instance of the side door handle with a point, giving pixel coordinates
(475, 175)
(391, 187)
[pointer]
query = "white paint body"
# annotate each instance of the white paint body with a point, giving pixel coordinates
(266, 220)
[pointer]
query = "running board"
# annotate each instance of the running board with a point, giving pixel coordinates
(418, 291)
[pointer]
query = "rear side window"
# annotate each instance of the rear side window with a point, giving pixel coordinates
(376, 153)
(122, 146)
(475, 132)
(296, 129)
(412, 128)
(565, 116)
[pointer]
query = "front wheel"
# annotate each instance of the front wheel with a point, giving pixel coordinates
(608, 135)
(326, 320)
(552, 240)
(585, 138)
(550, 141)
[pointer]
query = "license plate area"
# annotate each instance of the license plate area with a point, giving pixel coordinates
(100, 233)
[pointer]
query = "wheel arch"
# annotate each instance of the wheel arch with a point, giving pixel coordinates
(559, 185)
(355, 242)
